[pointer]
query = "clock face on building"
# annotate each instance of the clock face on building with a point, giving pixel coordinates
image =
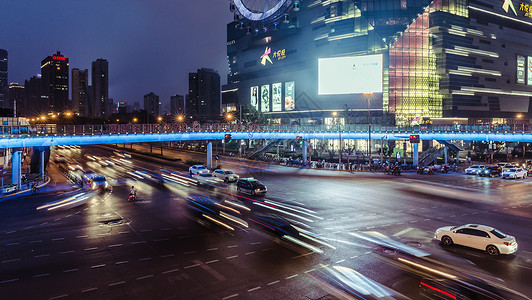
(259, 10)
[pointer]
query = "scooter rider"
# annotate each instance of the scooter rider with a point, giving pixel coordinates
(132, 193)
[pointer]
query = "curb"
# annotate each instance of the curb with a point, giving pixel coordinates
(3, 198)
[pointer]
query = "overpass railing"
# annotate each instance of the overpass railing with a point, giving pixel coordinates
(51, 129)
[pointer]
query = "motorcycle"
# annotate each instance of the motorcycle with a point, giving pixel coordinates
(132, 198)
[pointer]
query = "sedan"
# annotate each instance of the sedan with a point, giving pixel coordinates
(474, 169)
(477, 236)
(198, 169)
(514, 173)
(226, 175)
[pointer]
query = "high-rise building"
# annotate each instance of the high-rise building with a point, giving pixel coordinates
(204, 101)
(54, 70)
(34, 101)
(16, 99)
(80, 92)
(412, 60)
(177, 104)
(100, 88)
(3, 79)
(152, 104)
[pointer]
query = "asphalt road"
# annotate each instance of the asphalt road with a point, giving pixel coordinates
(156, 248)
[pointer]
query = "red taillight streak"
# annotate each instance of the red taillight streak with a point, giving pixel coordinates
(438, 290)
(262, 224)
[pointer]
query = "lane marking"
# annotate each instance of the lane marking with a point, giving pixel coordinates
(145, 277)
(273, 282)
(90, 249)
(41, 275)
(210, 270)
(58, 239)
(116, 283)
(212, 249)
(191, 266)
(140, 242)
(121, 262)
(10, 260)
(146, 258)
(234, 256)
(81, 236)
(89, 290)
(98, 266)
(170, 271)
(253, 289)
(42, 255)
(167, 255)
(66, 252)
(71, 270)
(59, 297)
(10, 280)
(13, 244)
(115, 245)
(212, 261)
(248, 253)
(404, 231)
(229, 297)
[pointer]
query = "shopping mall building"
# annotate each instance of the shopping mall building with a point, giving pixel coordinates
(406, 60)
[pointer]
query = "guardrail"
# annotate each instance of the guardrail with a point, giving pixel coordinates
(48, 129)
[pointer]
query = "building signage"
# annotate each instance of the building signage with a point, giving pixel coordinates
(521, 70)
(527, 9)
(508, 4)
(278, 55)
(277, 91)
(254, 100)
(289, 95)
(265, 98)
(529, 72)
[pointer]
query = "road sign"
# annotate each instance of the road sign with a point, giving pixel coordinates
(216, 157)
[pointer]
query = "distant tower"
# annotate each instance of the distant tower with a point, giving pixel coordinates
(80, 92)
(33, 100)
(177, 104)
(3, 79)
(16, 99)
(54, 70)
(100, 88)
(152, 104)
(203, 101)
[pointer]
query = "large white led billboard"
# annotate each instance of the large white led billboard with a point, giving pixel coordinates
(350, 75)
(529, 70)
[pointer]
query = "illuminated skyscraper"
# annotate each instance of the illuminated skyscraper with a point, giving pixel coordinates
(16, 99)
(3, 79)
(203, 100)
(80, 92)
(152, 104)
(54, 70)
(100, 88)
(177, 104)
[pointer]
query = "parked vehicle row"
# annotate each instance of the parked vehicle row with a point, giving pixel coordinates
(505, 170)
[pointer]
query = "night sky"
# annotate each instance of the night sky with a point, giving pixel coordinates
(151, 45)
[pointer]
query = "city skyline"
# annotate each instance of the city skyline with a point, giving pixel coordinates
(125, 36)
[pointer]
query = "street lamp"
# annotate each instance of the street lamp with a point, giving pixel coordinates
(159, 119)
(135, 120)
(180, 118)
(368, 97)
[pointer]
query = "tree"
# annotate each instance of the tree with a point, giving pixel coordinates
(251, 115)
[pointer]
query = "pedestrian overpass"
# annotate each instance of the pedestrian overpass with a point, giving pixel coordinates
(41, 137)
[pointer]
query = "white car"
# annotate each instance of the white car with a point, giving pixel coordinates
(514, 173)
(226, 175)
(477, 236)
(474, 169)
(198, 169)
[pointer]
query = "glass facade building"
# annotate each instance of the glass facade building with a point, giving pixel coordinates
(440, 59)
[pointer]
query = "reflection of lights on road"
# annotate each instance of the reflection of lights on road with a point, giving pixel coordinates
(218, 222)
(426, 268)
(282, 211)
(64, 202)
(234, 219)
(303, 244)
(297, 209)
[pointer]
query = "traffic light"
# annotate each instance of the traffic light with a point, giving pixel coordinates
(299, 139)
(227, 138)
(414, 138)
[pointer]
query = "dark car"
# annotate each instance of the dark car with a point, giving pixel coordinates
(491, 171)
(251, 186)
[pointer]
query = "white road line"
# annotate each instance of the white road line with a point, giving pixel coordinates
(145, 277)
(13, 244)
(115, 245)
(33, 242)
(145, 230)
(141, 242)
(41, 275)
(43, 223)
(10, 260)
(59, 297)
(170, 271)
(404, 231)
(229, 297)
(191, 266)
(81, 236)
(308, 271)
(66, 252)
(273, 282)
(212, 261)
(10, 232)
(123, 232)
(10, 280)
(210, 270)
(256, 243)
(89, 290)
(190, 252)
(90, 249)
(29, 227)
(116, 283)
(71, 270)
(234, 256)
(58, 239)
(232, 246)
(248, 253)
(167, 255)
(340, 261)
(98, 266)
(146, 258)
(42, 255)
(212, 249)
(121, 262)
(160, 240)
(165, 229)
(253, 289)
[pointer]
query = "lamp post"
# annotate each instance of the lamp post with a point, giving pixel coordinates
(368, 97)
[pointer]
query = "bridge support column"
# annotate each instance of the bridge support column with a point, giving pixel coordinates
(446, 154)
(415, 154)
(457, 157)
(304, 152)
(209, 155)
(16, 167)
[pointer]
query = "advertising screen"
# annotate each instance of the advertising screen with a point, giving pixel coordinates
(529, 70)
(289, 95)
(277, 91)
(350, 75)
(254, 101)
(265, 98)
(521, 69)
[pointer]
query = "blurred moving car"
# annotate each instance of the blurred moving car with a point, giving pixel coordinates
(88, 175)
(479, 237)
(491, 171)
(474, 169)
(514, 173)
(226, 175)
(60, 159)
(198, 169)
(100, 182)
(75, 167)
(251, 186)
